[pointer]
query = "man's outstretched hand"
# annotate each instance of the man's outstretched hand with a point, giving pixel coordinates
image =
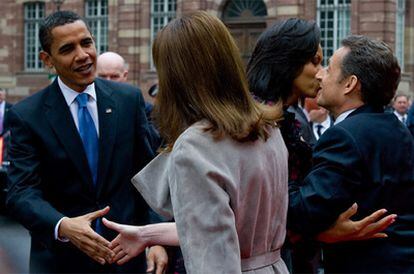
(344, 229)
(79, 232)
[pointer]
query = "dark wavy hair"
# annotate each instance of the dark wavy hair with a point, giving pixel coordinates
(375, 66)
(279, 57)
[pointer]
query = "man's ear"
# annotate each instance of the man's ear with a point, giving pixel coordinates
(352, 84)
(45, 57)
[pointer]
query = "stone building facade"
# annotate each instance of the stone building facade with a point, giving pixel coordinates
(128, 27)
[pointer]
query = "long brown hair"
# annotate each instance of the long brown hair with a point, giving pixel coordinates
(201, 76)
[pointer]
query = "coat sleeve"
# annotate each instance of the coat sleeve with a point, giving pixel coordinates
(147, 128)
(329, 188)
(205, 220)
(25, 199)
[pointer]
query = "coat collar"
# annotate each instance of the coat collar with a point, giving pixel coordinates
(366, 109)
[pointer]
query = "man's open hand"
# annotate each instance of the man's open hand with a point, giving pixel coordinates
(79, 232)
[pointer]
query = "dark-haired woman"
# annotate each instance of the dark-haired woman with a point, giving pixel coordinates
(283, 69)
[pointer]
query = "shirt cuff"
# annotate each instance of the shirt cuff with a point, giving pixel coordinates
(65, 240)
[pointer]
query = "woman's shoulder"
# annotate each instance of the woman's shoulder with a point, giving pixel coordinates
(195, 135)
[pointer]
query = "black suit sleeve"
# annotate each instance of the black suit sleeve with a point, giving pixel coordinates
(25, 198)
(145, 150)
(329, 188)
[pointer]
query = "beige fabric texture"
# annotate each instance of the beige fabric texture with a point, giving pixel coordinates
(229, 200)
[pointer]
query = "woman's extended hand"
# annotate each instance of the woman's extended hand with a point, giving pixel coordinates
(128, 244)
(344, 229)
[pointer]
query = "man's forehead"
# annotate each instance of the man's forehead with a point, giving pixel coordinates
(68, 30)
(402, 99)
(106, 70)
(340, 53)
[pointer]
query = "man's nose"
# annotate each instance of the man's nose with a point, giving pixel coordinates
(81, 54)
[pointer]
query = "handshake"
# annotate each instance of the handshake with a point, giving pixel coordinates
(127, 245)
(132, 240)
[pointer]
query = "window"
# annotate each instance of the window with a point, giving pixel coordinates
(33, 14)
(399, 32)
(335, 23)
(162, 12)
(96, 15)
(244, 8)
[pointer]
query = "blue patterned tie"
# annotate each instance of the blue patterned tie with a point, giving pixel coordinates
(88, 134)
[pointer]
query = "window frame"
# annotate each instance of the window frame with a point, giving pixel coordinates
(400, 31)
(32, 61)
(168, 13)
(100, 31)
(341, 24)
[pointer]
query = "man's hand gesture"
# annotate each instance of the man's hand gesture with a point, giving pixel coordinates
(345, 229)
(79, 232)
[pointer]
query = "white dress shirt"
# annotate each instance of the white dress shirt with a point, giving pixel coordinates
(402, 118)
(70, 98)
(2, 108)
(325, 125)
(343, 116)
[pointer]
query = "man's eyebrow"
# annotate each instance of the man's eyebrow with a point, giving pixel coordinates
(65, 47)
(87, 39)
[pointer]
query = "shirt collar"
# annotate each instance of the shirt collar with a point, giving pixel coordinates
(399, 115)
(343, 116)
(325, 124)
(70, 94)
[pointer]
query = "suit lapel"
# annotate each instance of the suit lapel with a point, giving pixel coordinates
(107, 114)
(58, 115)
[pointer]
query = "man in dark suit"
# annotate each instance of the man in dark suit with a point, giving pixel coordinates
(358, 160)
(4, 108)
(320, 121)
(305, 127)
(74, 147)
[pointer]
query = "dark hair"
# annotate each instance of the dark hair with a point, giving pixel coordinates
(52, 21)
(279, 57)
(375, 66)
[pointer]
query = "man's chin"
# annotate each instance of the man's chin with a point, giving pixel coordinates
(89, 80)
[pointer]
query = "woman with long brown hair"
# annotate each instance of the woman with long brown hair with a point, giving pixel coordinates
(223, 173)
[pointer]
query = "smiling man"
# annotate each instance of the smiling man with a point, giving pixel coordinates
(358, 160)
(75, 146)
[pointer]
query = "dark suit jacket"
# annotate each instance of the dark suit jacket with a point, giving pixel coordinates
(410, 119)
(50, 177)
(305, 128)
(368, 158)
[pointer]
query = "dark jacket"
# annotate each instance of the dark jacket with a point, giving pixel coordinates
(368, 158)
(49, 173)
